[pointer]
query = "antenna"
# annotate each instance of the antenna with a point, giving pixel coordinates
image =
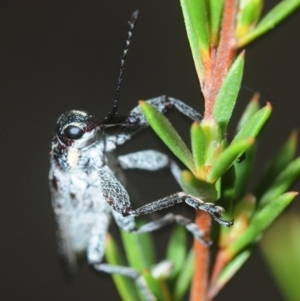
(131, 24)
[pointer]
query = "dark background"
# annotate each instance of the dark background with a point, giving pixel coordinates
(59, 55)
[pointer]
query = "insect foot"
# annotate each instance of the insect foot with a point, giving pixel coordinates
(212, 209)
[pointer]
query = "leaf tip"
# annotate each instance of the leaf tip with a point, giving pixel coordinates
(195, 124)
(243, 53)
(293, 193)
(269, 106)
(294, 136)
(255, 98)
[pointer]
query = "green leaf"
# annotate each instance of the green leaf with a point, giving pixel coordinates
(125, 286)
(192, 185)
(227, 158)
(218, 188)
(243, 212)
(231, 268)
(250, 110)
(242, 215)
(245, 209)
(284, 156)
(226, 201)
(194, 14)
(163, 128)
(243, 169)
(185, 277)
(215, 13)
(157, 286)
(276, 15)
(228, 186)
(212, 146)
(281, 248)
(248, 15)
(198, 145)
(140, 256)
(176, 251)
(282, 182)
(254, 125)
(260, 221)
(243, 172)
(226, 98)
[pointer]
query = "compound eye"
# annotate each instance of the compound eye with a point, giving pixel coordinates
(73, 132)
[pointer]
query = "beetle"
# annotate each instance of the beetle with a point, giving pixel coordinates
(86, 182)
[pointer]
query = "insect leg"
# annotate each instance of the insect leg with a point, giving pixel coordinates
(117, 197)
(179, 197)
(127, 223)
(162, 104)
(152, 160)
(171, 219)
(130, 273)
(95, 253)
(96, 245)
(136, 121)
(149, 160)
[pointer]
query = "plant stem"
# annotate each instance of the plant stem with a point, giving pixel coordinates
(215, 71)
(221, 260)
(200, 278)
(221, 58)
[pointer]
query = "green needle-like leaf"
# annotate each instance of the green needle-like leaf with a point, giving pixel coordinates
(140, 256)
(195, 19)
(212, 138)
(163, 128)
(243, 169)
(184, 279)
(226, 98)
(125, 286)
(254, 125)
(282, 183)
(231, 268)
(250, 110)
(284, 156)
(261, 220)
(198, 145)
(201, 189)
(281, 247)
(228, 157)
(247, 17)
(157, 286)
(215, 11)
(176, 251)
(276, 15)
(228, 187)
(243, 172)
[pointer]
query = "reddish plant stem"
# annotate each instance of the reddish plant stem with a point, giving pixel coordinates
(216, 69)
(200, 278)
(221, 58)
(221, 260)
